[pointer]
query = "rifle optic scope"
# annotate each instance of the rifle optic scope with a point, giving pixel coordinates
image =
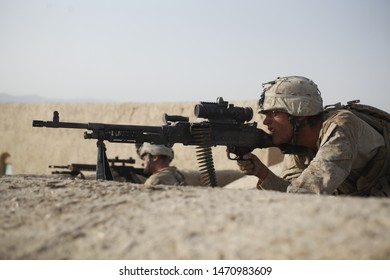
(223, 111)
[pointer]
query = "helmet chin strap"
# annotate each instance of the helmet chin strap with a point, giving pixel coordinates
(297, 124)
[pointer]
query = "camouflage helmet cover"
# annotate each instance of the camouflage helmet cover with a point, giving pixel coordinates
(155, 150)
(295, 95)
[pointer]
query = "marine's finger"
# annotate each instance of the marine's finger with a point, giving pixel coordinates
(247, 156)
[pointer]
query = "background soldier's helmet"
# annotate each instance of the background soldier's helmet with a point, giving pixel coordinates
(295, 95)
(155, 150)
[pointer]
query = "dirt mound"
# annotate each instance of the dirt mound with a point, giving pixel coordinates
(51, 217)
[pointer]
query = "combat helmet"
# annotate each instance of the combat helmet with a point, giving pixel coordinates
(295, 95)
(154, 150)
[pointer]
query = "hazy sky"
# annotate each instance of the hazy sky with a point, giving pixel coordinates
(193, 50)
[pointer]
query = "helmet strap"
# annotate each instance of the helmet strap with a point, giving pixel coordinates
(297, 124)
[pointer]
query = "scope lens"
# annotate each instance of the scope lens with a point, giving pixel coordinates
(247, 114)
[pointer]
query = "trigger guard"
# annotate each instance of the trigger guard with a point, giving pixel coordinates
(229, 153)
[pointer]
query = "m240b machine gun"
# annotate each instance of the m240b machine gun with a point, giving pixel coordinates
(123, 170)
(225, 125)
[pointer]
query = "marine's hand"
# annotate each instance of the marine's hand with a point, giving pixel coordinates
(251, 165)
(247, 164)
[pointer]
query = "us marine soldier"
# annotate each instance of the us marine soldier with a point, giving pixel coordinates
(345, 155)
(156, 161)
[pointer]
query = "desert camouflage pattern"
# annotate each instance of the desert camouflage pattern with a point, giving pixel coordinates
(349, 158)
(298, 96)
(166, 176)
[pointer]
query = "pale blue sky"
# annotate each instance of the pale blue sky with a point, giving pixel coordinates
(193, 50)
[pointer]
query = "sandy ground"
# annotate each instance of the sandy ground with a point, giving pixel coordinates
(49, 217)
(44, 216)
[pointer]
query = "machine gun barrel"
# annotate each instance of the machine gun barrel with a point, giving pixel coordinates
(109, 132)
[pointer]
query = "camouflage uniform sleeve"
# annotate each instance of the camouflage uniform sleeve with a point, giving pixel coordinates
(292, 168)
(273, 182)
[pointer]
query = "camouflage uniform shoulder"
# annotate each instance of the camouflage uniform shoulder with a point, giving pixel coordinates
(167, 176)
(375, 117)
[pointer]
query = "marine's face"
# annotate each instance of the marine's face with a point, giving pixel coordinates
(279, 126)
(145, 163)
